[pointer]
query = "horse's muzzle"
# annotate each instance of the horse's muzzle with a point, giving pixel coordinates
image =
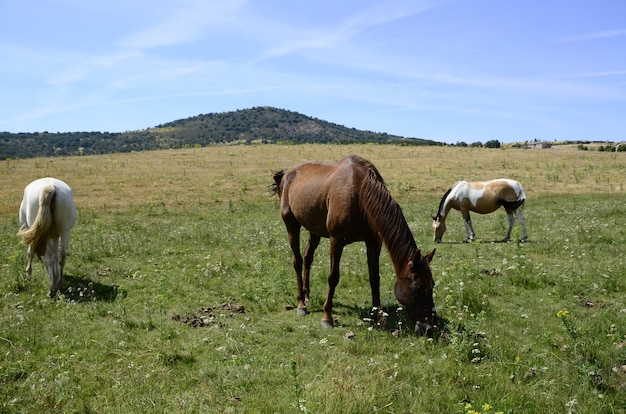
(437, 240)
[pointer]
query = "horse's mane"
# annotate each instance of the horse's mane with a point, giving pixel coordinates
(443, 199)
(385, 216)
(371, 168)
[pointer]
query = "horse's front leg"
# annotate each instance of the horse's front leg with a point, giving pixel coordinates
(373, 265)
(309, 253)
(470, 234)
(336, 249)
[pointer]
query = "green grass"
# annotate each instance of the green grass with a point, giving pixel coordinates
(530, 327)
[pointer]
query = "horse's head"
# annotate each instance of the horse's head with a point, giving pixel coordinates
(439, 227)
(415, 292)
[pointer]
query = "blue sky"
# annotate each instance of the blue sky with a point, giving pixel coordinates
(450, 70)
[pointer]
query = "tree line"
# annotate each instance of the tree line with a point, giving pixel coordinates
(255, 125)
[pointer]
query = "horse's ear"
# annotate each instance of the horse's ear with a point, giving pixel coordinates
(416, 258)
(429, 256)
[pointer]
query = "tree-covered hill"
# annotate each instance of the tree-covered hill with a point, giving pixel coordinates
(255, 125)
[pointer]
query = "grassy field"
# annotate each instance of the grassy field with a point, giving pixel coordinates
(179, 286)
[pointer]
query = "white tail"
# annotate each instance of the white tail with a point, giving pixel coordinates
(37, 235)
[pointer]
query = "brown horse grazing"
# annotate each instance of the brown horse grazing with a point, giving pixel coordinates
(481, 197)
(349, 202)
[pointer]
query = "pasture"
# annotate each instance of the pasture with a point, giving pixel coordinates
(180, 292)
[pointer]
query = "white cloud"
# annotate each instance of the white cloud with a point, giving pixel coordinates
(186, 24)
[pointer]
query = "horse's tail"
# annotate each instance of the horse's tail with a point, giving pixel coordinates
(275, 186)
(513, 205)
(37, 235)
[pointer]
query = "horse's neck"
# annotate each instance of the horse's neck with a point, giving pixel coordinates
(385, 215)
(398, 239)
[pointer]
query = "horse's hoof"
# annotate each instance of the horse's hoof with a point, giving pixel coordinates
(303, 312)
(327, 325)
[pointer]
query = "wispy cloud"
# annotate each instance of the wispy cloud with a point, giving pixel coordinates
(87, 65)
(184, 25)
(594, 35)
(593, 74)
(336, 35)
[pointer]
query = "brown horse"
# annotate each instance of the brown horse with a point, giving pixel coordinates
(349, 202)
(481, 197)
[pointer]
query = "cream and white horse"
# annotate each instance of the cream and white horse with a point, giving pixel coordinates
(47, 214)
(481, 197)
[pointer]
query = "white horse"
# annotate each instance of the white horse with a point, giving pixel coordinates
(481, 197)
(47, 214)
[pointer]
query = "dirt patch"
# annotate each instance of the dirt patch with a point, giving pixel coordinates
(208, 315)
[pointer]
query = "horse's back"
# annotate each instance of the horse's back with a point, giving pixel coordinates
(512, 189)
(323, 197)
(509, 188)
(64, 209)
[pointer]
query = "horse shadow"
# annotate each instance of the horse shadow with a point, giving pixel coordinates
(479, 241)
(80, 289)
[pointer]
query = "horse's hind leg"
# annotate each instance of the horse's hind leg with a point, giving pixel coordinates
(293, 232)
(522, 222)
(309, 253)
(29, 259)
(336, 250)
(51, 261)
(511, 218)
(65, 239)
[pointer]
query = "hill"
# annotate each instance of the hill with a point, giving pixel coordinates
(255, 125)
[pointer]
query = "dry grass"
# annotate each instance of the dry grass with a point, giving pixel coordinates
(205, 176)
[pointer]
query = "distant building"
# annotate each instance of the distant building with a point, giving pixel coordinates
(539, 144)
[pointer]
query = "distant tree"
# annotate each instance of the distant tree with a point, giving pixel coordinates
(494, 143)
(477, 144)
(461, 144)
